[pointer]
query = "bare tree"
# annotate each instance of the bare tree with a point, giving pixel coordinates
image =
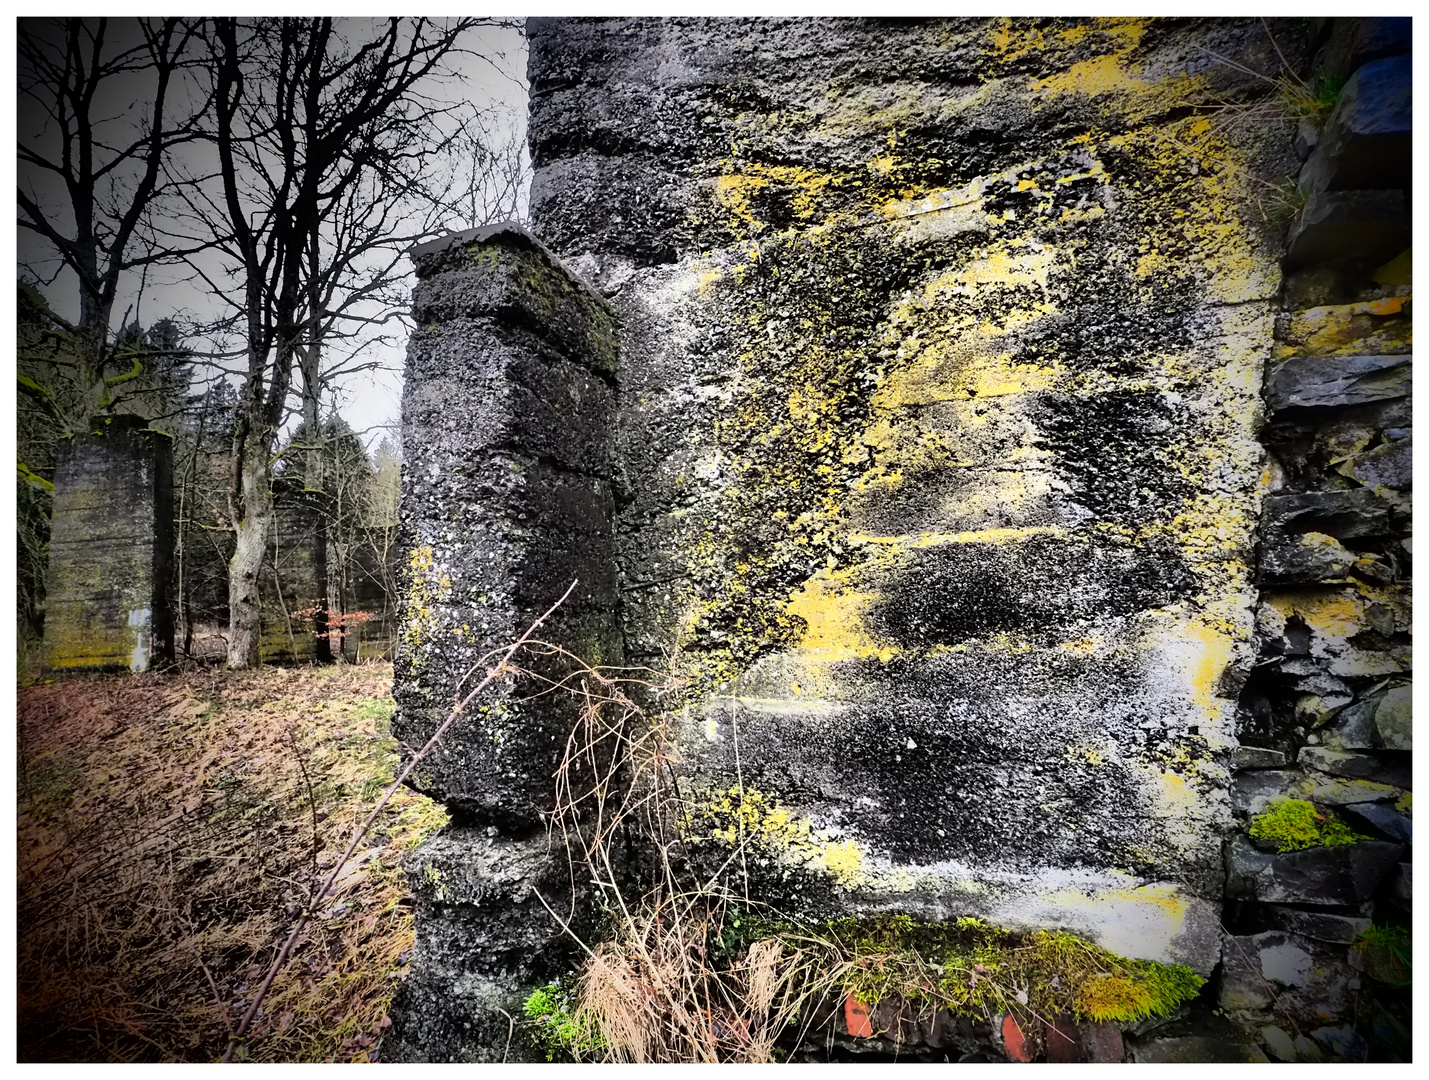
(91, 173)
(290, 163)
(324, 142)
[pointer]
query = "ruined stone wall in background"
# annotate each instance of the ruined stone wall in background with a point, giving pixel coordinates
(1326, 727)
(111, 542)
(294, 577)
(939, 378)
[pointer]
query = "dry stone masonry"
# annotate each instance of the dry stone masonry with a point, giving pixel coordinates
(1325, 723)
(1022, 504)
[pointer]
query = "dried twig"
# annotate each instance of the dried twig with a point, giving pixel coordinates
(286, 951)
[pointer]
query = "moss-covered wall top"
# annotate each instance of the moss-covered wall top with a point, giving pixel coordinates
(936, 470)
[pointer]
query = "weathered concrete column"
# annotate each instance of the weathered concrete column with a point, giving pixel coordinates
(940, 355)
(294, 582)
(506, 499)
(111, 541)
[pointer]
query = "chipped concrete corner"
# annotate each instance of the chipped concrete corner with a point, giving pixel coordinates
(919, 423)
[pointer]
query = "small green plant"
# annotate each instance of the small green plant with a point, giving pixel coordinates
(1314, 100)
(1282, 203)
(1387, 954)
(552, 1029)
(1294, 825)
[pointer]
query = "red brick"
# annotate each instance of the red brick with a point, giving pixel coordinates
(1062, 1040)
(1103, 1043)
(1013, 1041)
(856, 1018)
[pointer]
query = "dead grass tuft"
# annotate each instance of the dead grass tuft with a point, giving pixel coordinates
(171, 827)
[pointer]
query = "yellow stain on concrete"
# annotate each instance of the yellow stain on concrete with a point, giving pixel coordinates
(976, 536)
(709, 278)
(1212, 648)
(845, 862)
(834, 616)
(1112, 72)
(745, 815)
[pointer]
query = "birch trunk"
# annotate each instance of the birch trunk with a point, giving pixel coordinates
(245, 608)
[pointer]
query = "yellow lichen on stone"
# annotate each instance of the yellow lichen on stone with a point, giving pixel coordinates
(746, 816)
(1374, 327)
(845, 862)
(834, 617)
(429, 588)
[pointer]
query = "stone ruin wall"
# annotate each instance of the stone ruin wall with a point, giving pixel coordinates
(111, 582)
(910, 384)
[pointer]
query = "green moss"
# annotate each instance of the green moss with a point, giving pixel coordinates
(1294, 824)
(1386, 954)
(552, 1028)
(971, 968)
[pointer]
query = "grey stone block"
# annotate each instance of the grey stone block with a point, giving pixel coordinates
(1196, 1049)
(1366, 141)
(506, 501)
(1304, 559)
(1403, 884)
(1370, 767)
(1255, 757)
(1341, 875)
(1283, 1047)
(1349, 227)
(503, 272)
(1384, 819)
(1389, 465)
(1356, 41)
(1342, 1041)
(484, 940)
(1321, 381)
(1253, 789)
(1303, 979)
(1322, 926)
(1394, 719)
(1353, 727)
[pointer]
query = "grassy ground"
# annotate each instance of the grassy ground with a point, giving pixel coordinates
(170, 829)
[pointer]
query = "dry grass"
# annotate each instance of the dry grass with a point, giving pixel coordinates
(171, 828)
(652, 991)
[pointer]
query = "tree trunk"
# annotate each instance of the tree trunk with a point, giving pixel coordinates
(335, 607)
(245, 608)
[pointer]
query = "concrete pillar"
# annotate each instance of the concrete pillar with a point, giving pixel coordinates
(111, 541)
(294, 577)
(506, 499)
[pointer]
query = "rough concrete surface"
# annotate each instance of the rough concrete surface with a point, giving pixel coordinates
(940, 358)
(111, 542)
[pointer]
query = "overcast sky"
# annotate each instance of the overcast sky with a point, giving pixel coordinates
(368, 400)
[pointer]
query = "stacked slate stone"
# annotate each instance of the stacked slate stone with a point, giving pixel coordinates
(1315, 960)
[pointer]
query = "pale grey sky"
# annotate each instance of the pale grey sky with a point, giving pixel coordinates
(368, 400)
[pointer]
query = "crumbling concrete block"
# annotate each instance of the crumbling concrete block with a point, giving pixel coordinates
(506, 502)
